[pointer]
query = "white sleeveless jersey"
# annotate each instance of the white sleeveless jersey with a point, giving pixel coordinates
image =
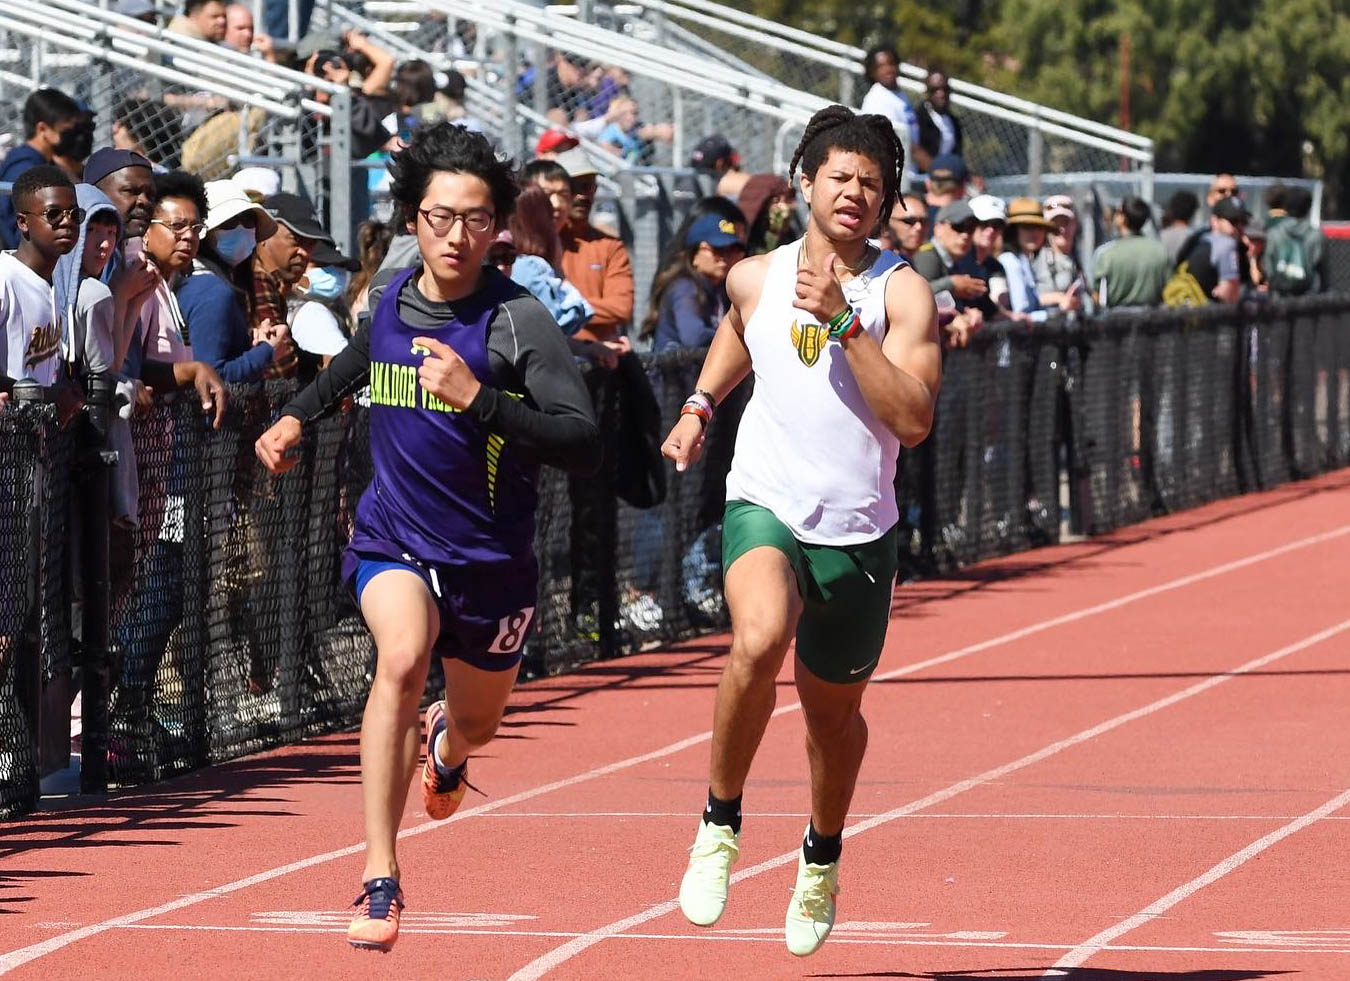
(809, 449)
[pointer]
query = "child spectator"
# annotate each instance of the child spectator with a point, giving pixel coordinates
(627, 136)
(90, 315)
(48, 224)
(372, 243)
(1059, 274)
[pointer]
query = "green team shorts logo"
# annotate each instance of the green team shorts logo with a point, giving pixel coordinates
(809, 340)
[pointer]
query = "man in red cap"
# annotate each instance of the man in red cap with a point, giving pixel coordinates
(553, 142)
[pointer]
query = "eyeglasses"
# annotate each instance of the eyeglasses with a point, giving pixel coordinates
(58, 216)
(441, 220)
(181, 229)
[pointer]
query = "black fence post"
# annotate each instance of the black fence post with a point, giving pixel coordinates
(28, 656)
(95, 470)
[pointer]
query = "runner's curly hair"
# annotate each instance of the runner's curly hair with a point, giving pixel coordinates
(840, 128)
(446, 147)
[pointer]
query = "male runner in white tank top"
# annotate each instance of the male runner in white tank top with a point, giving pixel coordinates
(843, 342)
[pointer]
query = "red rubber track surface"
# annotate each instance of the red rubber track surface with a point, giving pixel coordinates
(1119, 760)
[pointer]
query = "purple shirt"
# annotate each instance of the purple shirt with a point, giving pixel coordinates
(446, 491)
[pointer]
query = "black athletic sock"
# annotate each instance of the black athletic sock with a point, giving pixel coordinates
(723, 812)
(819, 849)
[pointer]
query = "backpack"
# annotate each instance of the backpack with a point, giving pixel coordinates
(1288, 259)
(1183, 289)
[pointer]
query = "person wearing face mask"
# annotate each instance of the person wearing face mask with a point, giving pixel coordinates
(279, 264)
(217, 298)
(75, 146)
(52, 127)
(321, 322)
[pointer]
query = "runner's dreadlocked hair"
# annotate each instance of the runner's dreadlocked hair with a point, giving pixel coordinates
(840, 128)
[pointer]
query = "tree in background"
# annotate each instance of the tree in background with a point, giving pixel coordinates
(1251, 86)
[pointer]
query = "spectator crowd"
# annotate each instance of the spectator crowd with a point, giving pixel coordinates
(127, 261)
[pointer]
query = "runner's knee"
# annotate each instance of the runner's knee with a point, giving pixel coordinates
(832, 725)
(478, 730)
(759, 645)
(402, 667)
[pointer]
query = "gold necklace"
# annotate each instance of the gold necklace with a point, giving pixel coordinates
(863, 263)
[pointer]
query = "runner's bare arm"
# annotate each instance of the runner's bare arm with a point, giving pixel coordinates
(727, 362)
(899, 378)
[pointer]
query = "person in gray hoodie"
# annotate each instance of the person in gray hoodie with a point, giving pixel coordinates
(89, 346)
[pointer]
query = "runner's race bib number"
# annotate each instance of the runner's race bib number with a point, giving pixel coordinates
(511, 631)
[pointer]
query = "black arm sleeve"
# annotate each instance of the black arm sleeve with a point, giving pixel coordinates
(555, 422)
(347, 372)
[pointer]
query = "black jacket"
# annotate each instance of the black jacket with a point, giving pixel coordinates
(930, 136)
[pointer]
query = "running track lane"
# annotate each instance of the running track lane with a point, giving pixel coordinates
(1189, 641)
(1237, 532)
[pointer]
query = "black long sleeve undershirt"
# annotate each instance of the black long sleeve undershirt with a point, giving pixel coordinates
(554, 422)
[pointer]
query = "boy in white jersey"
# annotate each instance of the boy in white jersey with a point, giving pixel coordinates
(49, 223)
(843, 341)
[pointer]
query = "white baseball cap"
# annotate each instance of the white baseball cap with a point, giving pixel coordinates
(226, 200)
(262, 181)
(989, 208)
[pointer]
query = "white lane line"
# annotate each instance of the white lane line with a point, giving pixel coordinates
(1085, 950)
(23, 955)
(541, 965)
(835, 939)
(927, 816)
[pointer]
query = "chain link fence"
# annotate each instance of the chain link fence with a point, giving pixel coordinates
(35, 616)
(234, 632)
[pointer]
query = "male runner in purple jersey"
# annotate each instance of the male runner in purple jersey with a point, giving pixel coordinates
(472, 387)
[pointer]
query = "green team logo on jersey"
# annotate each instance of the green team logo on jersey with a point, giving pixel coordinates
(809, 340)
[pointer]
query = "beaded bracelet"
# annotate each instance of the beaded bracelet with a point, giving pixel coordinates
(699, 404)
(853, 329)
(850, 326)
(839, 319)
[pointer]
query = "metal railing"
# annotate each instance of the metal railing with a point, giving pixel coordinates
(1006, 135)
(182, 100)
(696, 94)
